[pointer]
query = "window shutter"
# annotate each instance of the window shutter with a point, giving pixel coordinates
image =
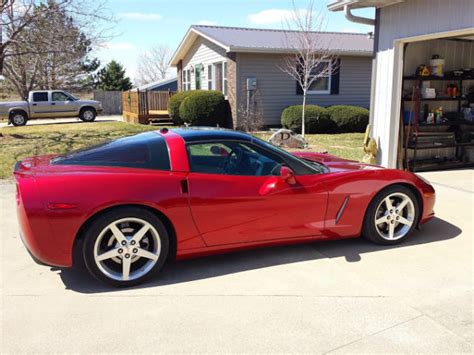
(335, 77)
(299, 89)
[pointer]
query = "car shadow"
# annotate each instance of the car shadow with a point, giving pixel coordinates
(352, 250)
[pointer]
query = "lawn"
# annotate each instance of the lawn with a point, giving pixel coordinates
(19, 142)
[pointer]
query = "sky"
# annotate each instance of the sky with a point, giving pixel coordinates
(140, 24)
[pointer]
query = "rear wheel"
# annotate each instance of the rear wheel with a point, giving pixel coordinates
(124, 247)
(392, 215)
(87, 114)
(18, 118)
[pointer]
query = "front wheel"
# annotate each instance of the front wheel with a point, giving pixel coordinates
(125, 246)
(18, 119)
(87, 114)
(392, 215)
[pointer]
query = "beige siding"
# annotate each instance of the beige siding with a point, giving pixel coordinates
(203, 52)
(277, 90)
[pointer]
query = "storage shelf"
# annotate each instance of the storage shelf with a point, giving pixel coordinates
(441, 99)
(440, 78)
(440, 146)
(438, 165)
(449, 123)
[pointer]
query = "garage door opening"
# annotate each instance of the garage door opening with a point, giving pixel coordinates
(437, 105)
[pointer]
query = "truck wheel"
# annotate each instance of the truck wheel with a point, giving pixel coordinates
(18, 118)
(87, 114)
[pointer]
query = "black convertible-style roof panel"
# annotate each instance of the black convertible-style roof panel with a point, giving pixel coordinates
(196, 134)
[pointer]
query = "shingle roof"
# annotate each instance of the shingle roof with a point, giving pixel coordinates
(237, 38)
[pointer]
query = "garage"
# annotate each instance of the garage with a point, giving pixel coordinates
(422, 83)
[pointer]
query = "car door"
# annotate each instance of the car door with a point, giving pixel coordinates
(236, 195)
(40, 105)
(62, 105)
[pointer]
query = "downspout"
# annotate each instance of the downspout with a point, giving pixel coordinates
(357, 19)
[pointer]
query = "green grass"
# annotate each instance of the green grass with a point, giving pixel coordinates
(344, 145)
(17, 143)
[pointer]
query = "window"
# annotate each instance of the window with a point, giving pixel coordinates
(321, 85)
(210, 85)
(146, 151)
(40, 97)
(224, 78)
(60, 96)
(233, 158)
(187, 80)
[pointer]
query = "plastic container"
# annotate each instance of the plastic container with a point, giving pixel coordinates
(437, 67)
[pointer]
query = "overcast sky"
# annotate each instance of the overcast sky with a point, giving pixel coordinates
(143, 23)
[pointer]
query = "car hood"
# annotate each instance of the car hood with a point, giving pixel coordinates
(335, 164)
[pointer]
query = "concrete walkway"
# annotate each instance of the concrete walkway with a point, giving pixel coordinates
(343, 296)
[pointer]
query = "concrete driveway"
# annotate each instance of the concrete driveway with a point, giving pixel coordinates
(343, 296)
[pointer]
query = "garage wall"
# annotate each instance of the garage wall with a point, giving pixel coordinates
(407, 19)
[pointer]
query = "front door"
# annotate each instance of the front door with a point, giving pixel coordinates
(40, 105)
(237, 196)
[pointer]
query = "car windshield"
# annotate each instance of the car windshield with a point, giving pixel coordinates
(314, 166)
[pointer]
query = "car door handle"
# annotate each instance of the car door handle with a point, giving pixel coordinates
(53, 103)
(35, 104)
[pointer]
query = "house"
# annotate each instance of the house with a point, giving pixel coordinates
(168, 84)
(440, 36)
(244, 63)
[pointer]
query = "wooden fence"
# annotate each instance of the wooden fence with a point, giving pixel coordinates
(145, 106)
(111, 101)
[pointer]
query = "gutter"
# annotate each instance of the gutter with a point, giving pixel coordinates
(357, 19)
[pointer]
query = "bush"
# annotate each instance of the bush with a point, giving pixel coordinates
(204, 108)
(316, 118)
(173, 106)
(349, 118)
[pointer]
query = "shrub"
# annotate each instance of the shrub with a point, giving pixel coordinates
(173, 106)
(316, 118)
(349, 118)
(204, 108)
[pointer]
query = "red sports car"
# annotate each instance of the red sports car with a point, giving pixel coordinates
(129, 205)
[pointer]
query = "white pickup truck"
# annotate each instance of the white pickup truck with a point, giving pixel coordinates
(49, 104)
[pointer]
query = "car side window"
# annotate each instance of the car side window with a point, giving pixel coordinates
(40, 97)
(59, 96)
(232, 158)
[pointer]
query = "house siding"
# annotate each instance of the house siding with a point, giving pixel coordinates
(408, 19)
(203, 52)
(277, 90)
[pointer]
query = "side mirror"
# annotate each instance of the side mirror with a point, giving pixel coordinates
(288, 175)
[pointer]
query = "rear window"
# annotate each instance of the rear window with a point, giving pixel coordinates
(145, 151)
(40, 96)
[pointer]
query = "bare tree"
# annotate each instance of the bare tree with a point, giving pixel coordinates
(17, 15)
(311, 59)
(153, 64)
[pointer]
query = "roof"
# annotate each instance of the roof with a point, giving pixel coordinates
(196, 134)
(256, 40)
(338, 5)
(151, 86)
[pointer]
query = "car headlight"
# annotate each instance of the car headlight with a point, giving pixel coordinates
(423, 179)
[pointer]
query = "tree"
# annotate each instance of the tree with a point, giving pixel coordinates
(51, 52)
(153, 64)
(112, 77)
(311, 53)
(17, 17)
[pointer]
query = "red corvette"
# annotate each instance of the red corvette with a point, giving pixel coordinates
(129, 205)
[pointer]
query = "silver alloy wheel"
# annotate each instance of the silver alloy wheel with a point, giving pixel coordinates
(88, 115)
(394, 216)
(127, 249)
(18, 119)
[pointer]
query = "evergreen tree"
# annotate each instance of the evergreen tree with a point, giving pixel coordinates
(112, 77)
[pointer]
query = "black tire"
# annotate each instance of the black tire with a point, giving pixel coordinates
(373, 232)
(18, 118)
(87, 114)
(93, 233)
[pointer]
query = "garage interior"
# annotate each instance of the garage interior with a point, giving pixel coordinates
(437, 108)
